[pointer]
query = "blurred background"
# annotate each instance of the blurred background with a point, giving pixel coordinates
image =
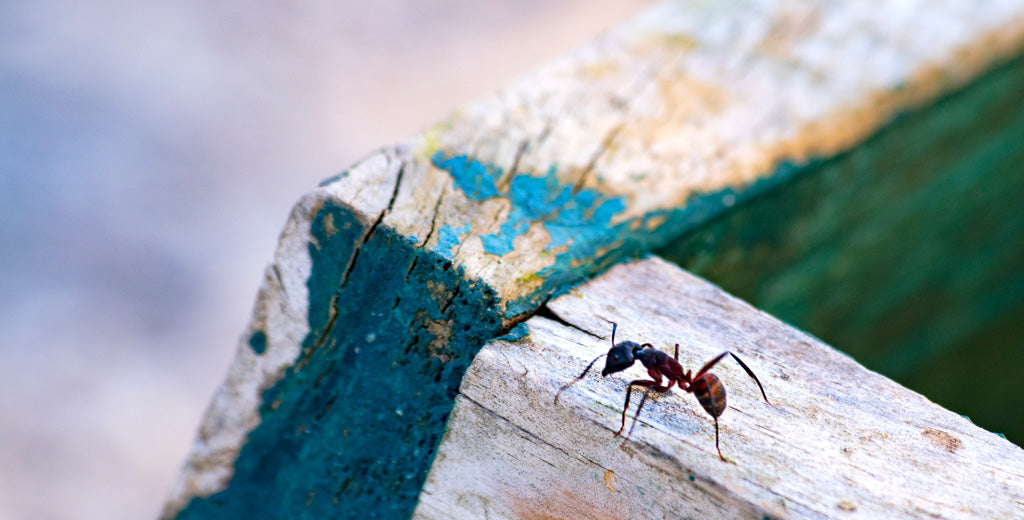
(149, 156)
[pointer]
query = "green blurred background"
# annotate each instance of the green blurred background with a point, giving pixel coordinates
(906, 252)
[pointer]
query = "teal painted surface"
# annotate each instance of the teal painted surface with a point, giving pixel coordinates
(907, 252)
(258, 342)
(351, 428)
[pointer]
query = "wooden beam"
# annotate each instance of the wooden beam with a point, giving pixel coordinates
(837, 441)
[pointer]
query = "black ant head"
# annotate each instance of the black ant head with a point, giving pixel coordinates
(620, 357)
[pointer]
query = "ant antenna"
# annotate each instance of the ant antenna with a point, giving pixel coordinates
(614, 326)
(591, 365)
(752, 376)
(581, 376)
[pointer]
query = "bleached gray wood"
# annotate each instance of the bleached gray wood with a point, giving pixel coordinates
(838, 441)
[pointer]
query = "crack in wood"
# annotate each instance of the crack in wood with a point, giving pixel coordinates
(412, 265)
(545, 312)
(526, 433)
(369, 233)
(330, 322)
(280, 280)
(506, 178)
(544, 133)
(433, 219)
(391, 204)
(352, 262)
(455, 294)
(621, 103)
(602, 149)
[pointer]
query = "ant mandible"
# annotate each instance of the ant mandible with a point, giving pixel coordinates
(705, 386)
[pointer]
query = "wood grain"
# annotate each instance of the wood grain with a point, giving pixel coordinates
(838, 441)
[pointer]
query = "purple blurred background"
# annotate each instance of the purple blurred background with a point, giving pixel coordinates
(149, 155)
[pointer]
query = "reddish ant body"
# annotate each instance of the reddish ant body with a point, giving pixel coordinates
(704, 385)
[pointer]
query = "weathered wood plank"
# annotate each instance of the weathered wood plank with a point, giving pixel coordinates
(838, 441)
(397, 271)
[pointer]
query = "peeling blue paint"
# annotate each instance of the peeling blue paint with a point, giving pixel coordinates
(475, 179)
(568, 214)
(497, 244)
(517, 333)
(448, 237)
(584, 241)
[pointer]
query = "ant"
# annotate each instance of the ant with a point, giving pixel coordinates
(705, 386)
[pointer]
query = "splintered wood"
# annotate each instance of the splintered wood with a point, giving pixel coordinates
(837, 440)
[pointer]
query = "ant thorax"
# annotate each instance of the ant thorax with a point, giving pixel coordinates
(650, 357)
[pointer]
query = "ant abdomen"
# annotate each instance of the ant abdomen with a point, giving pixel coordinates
(710, 391)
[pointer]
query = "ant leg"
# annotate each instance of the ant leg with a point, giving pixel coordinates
(641, 407)
(750, 373)
(712, 406)
(677, 352)
(581, 376)
(716, 440)
(647, 385)
(637, 416)
(629, 392)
